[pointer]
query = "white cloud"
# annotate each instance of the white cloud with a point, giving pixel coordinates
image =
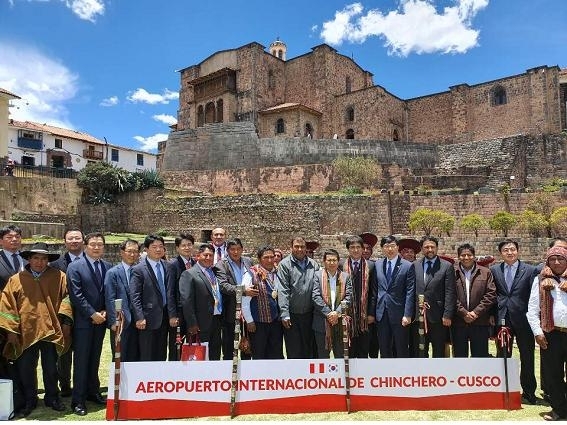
(150, 143)
(415, 27)
(84, 9)
(166, 119)
(143, 96)
(109, 101)
(43, 84)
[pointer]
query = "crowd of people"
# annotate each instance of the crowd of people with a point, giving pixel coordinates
(60, 306)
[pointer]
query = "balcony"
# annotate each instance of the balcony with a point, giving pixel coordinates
(92, 154)
(30, 144)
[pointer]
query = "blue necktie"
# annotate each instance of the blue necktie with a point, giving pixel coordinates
(428, 269)
(16, 262)
(159, 276)
(509, 277)
(98, 275)
(389, 272)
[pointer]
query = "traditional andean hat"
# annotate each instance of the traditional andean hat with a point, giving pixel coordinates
(369, 238)
(409, 243)
(311, 245)
(484, 260)
(40, 248)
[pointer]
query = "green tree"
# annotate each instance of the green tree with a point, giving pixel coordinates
(426, 220)
(103, 181)
(534, 223)
(473, 223)
(355, 172)
(558, 221)
(543, 203)
(502, 221)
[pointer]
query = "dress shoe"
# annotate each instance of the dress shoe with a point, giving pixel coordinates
(97, 398)
(26, 411)
(529, 399)
(80, 409)
(552, 416)
(56, 405)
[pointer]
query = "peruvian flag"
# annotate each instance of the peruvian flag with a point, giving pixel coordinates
(316, 368)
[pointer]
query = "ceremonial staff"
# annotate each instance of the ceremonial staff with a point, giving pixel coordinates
(346, 342)
(422, 324)
(235, 353)
(178, 342)
(117, 349)
(504, 340)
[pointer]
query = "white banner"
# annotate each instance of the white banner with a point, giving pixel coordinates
(160, 390)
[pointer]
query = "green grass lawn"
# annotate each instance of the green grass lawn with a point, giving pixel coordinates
(98, 413)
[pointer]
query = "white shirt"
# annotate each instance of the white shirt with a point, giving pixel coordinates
(468, 275)
(333, 285)
(559, 307)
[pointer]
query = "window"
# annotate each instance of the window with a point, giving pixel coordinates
(396, 135)
(220, 107)
(308, 130)
(59, 143)
(348, 84)
(350, 114)
(114, 155)
(280, 126)
(140, 159)
(499, 96)
(349, 134)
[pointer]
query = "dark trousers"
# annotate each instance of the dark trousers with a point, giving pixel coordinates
(553, 364)
(436, 336)
(337, 346)
(373, 342)
(392, 338)
(359, 346)
(227, 340)
(172, 338)
(299, 338)
(88, 348)
(213, 337)
(129, 344)
(26, 365)
(64, 364)
(153, 342)
(475, 335)
(267, 341)
(526, 346)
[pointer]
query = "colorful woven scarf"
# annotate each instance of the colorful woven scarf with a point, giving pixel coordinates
(260, 279)
(359, 307)
(547, 282)
(326, 294)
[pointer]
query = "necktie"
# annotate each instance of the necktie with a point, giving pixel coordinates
(509, 277)
(16, 262)
(98, 275)
(159, 276)
(355, 267)
(129, 274)
(216, 293)
(219, 254)
(187, 265)
(428, 268)
(389, 271)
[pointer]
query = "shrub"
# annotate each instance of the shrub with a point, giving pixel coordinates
(534, 223)
(355, 172)
(426, 219)
(502, 221)
(558, 221)
(473, 223)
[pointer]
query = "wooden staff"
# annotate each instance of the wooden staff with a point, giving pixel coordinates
(235, 352)
(422, 324)
(117, 349)
(346, 343)
(504, 340)
(178, 342)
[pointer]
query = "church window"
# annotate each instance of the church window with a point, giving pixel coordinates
(349, 134)
(210, 112)
(350, 114)
(280, 126)
(499, 96)
(348, 84)
(396, 135)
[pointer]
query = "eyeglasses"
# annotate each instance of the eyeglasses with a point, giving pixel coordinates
(95, 244)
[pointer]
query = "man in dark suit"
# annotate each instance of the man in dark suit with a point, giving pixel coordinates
(393, 300)
(116, 288)
(10, 260)
(476, 297)
(363, 279)
(218, 236)
(513, 279)
(435, 279)
(230, 271)
(152, 302)
(74, 241)
(85, 282)
(201, 299)
(184, 243)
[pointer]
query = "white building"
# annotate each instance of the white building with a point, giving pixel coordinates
(41, 145)
(5, 97)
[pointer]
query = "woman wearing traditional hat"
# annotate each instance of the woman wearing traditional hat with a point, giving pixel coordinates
(32, 303)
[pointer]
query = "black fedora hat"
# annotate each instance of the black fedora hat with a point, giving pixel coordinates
(40, 248)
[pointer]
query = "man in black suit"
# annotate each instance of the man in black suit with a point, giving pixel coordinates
(218, 236)
(184, 244)
(74, 241)
(201, 299)
(363, 278)
(85, 282)
(153, 303)
(393, 300)
(230, 271)
(435, 279)
(513, 279)
(11, 261)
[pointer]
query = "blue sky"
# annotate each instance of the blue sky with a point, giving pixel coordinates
(108, 67)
